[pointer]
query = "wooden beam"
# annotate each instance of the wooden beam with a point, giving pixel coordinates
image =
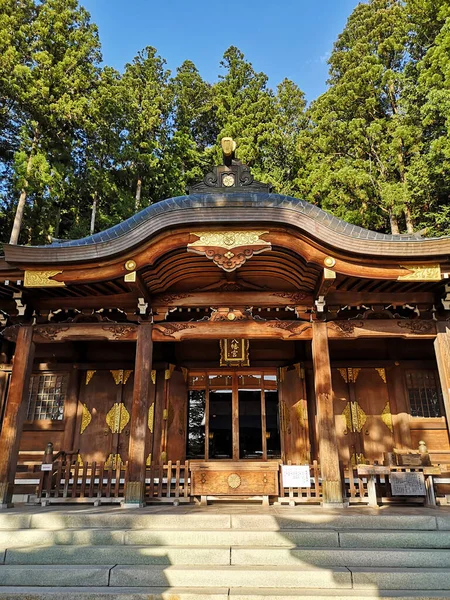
(122, 301)
(16, 408)
(328, 450)
(139, 288)
(384, 298)
(325, 283)
(139, 429)
(233, 299)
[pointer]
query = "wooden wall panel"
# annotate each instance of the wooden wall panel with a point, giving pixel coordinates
(294, 418)
(33, 441)
(177, 416)
(344, 437)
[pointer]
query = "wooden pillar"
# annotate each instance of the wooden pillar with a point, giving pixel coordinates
(135, 488)
(328, 450)
(71, 409)
(442, 349)
(15, 413)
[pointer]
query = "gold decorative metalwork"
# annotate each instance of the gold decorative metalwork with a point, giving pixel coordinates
(349, 375)
(344, 374)
(329, 261)
(121, 376)
(151, 417)
(148, 462)
(36, 279)
(359, 417)
(347, 414)
(118, 417)
(163, 457)
(355, 417)
(282, 373)
(86, 418)
(229, 250)
(168, 372)
(234, 481)
(130, 265)
(228, 146)
(80, 460)
(113, 461)
(358, 459)
(386, 417)
(382, 373)
(130, 277)
(285, 420)
(229, 239)
(89, 376)
(421, 273)
(165, 414)
(153, 376)
(234, 352)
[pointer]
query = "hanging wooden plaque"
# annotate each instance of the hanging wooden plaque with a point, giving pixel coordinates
(234, 353)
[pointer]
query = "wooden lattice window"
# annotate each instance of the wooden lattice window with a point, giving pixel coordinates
(424, 392)
(46, 397)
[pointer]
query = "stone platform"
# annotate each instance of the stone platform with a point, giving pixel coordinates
(244, 552)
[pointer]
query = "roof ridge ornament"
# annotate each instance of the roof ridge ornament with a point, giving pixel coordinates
(231, 176)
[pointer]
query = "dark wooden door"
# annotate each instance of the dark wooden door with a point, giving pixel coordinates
(294, 416)
(363, 415)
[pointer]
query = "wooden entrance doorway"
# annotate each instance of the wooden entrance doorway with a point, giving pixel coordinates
(233, 415)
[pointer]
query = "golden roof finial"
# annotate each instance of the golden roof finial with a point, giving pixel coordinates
(228, 146)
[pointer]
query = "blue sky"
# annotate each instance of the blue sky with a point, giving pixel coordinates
(288, 38)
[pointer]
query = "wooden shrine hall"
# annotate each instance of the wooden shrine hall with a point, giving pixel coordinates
(193, 349)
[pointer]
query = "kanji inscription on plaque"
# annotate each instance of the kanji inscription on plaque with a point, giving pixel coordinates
(407, 484)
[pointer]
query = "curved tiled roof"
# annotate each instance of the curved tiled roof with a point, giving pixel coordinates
(234, 209)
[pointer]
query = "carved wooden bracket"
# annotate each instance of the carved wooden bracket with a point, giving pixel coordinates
(229, 250)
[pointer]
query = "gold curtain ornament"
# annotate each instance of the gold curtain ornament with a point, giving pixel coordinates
(382, 373)
(151, 417)
(121, 376)
(89, 376)
(153, 376)
(386, 417)
(113, 461)
(148, 462)
(117, 418)
(86, 418)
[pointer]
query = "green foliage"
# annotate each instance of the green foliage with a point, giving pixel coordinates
(84, 147)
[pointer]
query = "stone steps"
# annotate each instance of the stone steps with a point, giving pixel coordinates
(218, 555)
(115, 554)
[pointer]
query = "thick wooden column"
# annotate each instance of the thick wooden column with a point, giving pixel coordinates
(134, 493)
(442, 349)
(328, 451)
(71, 409)
(15, 413)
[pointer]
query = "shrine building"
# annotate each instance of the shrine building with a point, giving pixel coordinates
(192, 349)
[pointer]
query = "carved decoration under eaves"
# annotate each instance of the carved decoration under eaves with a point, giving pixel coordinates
(346, 328)
(86, 418)
(119, 331)
(421, 273)
(417, 326)
(117, 418)
(230, 314)
(168, 329)
(293, 327)
(170, 299)
(291, 297)
(37, 279)
(49, 333)
(11, 333)
(234, 353)
(229, 250)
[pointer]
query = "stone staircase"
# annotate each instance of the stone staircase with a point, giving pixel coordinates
(217, 554)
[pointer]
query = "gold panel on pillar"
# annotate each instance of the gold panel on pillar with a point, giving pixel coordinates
(234, 353)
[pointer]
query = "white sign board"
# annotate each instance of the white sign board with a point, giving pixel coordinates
(296, 476)
(46, 467)
(407, 484)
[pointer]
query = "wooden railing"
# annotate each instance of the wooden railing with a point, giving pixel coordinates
(78, 483)
(168, 483)
(311, 495)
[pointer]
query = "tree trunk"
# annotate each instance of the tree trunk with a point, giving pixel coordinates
(137, 204)
(94, 213)
(394, 223)
(409, 220)
(23, 194)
